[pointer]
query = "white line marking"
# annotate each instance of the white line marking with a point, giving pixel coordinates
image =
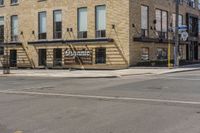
(102, 97)
(174, 78)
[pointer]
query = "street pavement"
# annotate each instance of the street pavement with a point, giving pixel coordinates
(165, 103)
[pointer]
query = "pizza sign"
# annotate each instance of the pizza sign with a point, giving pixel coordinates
(77, 53)
(77, 57)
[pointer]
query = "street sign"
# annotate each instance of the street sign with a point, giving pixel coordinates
(184, 36)
(182, 27)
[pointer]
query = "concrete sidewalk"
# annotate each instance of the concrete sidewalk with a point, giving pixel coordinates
(98, 73)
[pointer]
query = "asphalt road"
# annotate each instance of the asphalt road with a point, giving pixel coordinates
(135, 104)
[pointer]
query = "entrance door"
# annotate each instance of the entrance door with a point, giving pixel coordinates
(196, 51)
(13, 58)
(42, 56)
(57, 57)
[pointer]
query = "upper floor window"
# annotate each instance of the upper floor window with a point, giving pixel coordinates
(14, 1)
(14, 28)
(57, 24)
(100, 21)
(180, 1)
(144, 21)
(199, 27)
(191, 3)
(162, 23)
(42, 31)
(82, 23)
(199, 4)
(1, 29)
(193, 25)
(180, 21)
(1, 2)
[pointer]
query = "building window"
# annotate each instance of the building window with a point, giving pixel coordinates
(42, 33)
(144, 21)
(181, 2)
(199, 27)
(191, 3)
(1, 29)
(100, 21)
(82, 23)
(14, 1)
(198, 4)
(180, 21)
(14, 28)
(42, 57)
(1, 2)
(57, 24)
(145, 54)
(100, 55)
(161, 54)
(162, 23)
(57, 57)
(192, 25)
(1, 50)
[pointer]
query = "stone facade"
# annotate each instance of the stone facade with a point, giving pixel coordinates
(121, 49)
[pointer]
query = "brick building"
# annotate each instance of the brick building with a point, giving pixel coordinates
(93, 34)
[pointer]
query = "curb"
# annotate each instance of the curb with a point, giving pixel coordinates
(78, 77)
(189, 70)
(124, 75)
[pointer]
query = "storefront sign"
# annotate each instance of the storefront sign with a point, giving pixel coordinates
(77, 53)
(78, 57)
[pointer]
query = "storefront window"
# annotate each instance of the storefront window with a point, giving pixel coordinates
(145, 54)
(161, 54)
(100, 55)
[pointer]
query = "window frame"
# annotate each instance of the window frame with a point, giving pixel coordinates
(14, 38)
(54, 25)
(81, 34)
(39, 30)
(163, 49)
(1, 2)
(100, 33)
(145, 32)
(103, 58)
(14, 2)
(162, 34)
(3, 30)
(142, 53)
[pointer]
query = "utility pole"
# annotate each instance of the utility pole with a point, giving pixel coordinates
(176, 51)
(6, 65)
